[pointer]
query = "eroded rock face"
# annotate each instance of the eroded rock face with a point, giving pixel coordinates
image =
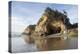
(30, 29)
(28, 32)
(51, 22)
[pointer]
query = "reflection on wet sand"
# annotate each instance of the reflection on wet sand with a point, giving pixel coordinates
(19, 45)
(57, 44)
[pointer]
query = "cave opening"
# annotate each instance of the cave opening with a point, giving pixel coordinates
(54, 30)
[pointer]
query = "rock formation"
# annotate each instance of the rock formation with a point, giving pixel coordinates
(51, 22)
(28, 32)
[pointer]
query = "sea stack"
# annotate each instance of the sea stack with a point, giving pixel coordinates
(51, 22)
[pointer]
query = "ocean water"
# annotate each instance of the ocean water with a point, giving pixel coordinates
(19, 45)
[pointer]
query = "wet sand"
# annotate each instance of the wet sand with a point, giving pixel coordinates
(19, 45)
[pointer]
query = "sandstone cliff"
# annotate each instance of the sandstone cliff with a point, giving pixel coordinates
(51, 22)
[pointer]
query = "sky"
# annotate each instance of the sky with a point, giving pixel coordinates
(26, 13)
